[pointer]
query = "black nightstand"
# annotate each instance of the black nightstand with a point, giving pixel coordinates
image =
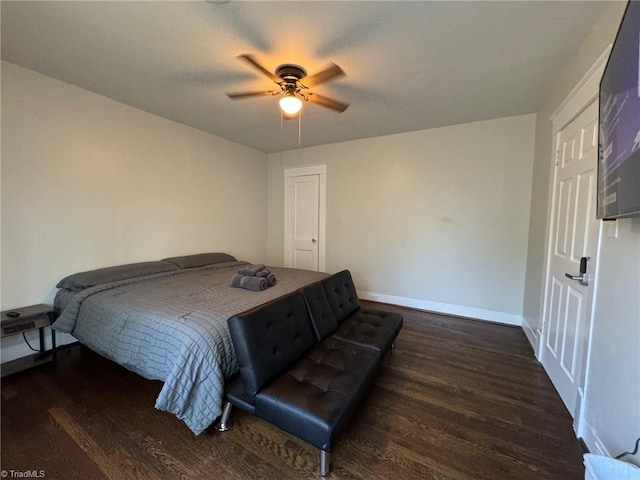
(21, 320)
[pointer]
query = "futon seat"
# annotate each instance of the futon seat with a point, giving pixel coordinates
(306, 388)
(315, 398)
(371, 327)
(335, 310)
(307, 359)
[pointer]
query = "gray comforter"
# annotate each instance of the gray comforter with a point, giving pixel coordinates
(173, 327)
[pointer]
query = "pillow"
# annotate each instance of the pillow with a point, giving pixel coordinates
(91, 278)
(200, 259)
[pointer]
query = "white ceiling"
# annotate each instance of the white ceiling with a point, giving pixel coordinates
(409, 65)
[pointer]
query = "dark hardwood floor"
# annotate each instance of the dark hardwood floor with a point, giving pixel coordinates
(457, 399)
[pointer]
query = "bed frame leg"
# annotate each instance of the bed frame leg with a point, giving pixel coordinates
(224, 424)
(325, 463)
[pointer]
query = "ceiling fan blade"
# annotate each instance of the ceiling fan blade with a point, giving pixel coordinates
(324, 76)
(327, 102)
(238, 95)
(252, 61)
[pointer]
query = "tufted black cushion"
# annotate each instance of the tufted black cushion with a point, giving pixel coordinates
(323, 320)
(316, 397)
(269, 338)
(342, 294)
(371, 328)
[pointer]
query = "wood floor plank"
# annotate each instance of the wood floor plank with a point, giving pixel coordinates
(457, 399)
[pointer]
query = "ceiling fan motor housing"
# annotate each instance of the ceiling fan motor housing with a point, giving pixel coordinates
(291, 73)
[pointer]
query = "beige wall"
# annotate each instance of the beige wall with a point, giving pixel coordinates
(88, 182)
(612, 407)
(439, 216)
(612, 398)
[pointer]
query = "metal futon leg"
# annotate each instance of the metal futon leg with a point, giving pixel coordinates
(224, 424)
(325, 463)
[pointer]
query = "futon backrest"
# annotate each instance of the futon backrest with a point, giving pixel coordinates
(322, 318)
(342, 294)
(270, 338)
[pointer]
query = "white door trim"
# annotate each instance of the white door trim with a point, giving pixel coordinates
(320, 170)
(585, 92)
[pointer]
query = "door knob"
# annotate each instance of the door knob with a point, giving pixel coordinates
(583, 278)
(313, 240)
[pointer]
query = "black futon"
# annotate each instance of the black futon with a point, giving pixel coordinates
(305, 360)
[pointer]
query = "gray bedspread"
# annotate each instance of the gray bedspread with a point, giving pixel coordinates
(173, 327)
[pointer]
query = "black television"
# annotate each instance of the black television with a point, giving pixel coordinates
(619, 123)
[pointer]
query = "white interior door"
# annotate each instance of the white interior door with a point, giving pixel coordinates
(574, 234)
(305, 197)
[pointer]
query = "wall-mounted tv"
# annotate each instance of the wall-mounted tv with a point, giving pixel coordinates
(619, 127)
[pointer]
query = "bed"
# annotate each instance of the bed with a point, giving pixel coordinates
(169, 324)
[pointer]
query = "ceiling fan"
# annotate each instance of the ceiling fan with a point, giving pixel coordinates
(293, 85)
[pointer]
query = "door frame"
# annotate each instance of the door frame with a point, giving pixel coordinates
(290, 173)
(578, 100)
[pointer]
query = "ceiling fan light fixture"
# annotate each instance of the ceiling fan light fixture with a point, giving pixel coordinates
(290, 104)
(289, 80)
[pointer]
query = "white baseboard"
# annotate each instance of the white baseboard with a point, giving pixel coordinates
(532, 336)
(445, 308)
(593, 442)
